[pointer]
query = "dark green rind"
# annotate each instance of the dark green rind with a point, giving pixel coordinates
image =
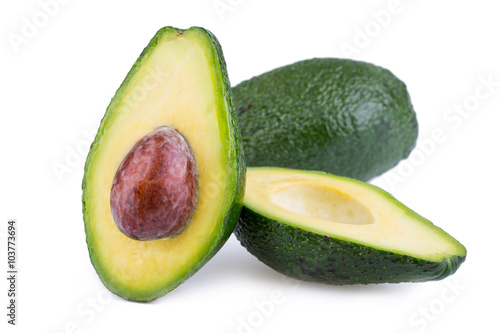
(235, 156)
(341, 116)
(312, 257)
(236, 153)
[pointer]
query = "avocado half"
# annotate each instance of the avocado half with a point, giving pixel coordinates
(175, 105)
(319, 227)
(341, 116)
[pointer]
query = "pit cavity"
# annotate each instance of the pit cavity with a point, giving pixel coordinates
(324, 203)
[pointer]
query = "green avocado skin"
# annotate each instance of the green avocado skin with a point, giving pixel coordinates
(345, 117)
(312, 257)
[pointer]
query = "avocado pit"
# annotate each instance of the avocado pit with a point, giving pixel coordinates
(155, 189)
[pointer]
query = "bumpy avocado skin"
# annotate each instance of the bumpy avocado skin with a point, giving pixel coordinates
(312, 257)
(235, 156)
(341, 116)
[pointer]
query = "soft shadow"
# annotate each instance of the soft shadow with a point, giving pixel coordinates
(233, 264)
(368, 289)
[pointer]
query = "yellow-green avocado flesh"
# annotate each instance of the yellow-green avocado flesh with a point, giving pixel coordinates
(319, 227)
(179, 81)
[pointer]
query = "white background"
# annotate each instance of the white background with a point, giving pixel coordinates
(56, 84)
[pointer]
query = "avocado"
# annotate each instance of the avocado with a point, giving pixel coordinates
(164, 178)
(345, 117)
(318, 227)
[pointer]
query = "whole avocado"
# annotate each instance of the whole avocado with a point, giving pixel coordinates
(345, 117)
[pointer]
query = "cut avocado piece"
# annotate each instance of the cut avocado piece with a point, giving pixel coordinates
(164, 178)
(319, 227)
(345, 117)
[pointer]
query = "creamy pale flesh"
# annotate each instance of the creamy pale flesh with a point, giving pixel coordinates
(175, 86)
(345, 209)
